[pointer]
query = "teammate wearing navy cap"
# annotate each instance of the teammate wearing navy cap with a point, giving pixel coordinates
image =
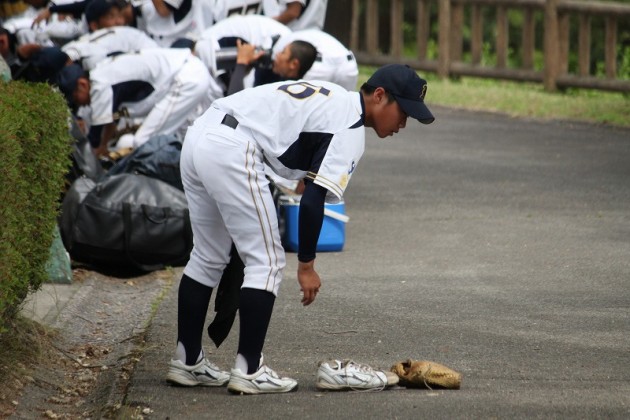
(164, 86)
(311, 130)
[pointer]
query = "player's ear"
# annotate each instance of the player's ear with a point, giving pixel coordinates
(379, 95)
(294, 66)
(83, 85)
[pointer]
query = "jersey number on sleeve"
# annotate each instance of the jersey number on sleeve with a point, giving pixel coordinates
(303, 90)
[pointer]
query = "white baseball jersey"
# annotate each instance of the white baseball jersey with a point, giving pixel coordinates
(96, 46)
(133, 81)
(308, 129)
(163, 85)
(334, 62)
(313, 14)
(58, 29)
(301, 129)
(165, 30)
(222, 9)
(255, 29)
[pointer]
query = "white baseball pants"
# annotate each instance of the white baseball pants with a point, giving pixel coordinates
(180, 104)
(229, 201)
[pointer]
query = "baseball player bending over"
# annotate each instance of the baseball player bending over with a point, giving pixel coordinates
(312, 130)
(163, 85)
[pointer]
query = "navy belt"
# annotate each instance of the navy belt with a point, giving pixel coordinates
(230, 121)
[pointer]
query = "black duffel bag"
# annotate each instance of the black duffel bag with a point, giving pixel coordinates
(157, 158)
(127, 219)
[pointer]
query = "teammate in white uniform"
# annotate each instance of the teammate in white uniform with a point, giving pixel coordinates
(163, 85)
(103, 14)
(56, 29)
(256, 30)
(303, 129)
(222, 9)
(96, 46)
(168, 20)
(300, 14)
(334, 63)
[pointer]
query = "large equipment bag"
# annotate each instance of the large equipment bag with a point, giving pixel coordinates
(127, 219)
(157, 158)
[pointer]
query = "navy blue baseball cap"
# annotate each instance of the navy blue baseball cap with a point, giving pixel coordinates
(48, 62)
(67, 80)
(409, 90)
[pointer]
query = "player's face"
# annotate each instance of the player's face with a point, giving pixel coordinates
(81, 94)
(111, 18)
(388, 118)
(4, 45)
(283, 65)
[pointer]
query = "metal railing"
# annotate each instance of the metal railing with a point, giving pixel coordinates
(365, 35)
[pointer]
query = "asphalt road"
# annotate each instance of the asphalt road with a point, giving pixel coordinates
(498, 247)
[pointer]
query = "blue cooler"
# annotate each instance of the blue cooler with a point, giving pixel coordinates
(332, 235)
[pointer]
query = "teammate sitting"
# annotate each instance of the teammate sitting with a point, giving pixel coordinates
(224, 175)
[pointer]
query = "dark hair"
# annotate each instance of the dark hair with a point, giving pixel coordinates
(368, 90)
(11, 37)
(305, 53)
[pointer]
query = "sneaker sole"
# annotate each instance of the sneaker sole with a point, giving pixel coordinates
(236, 388)
(176, 378)
(327, 386)
(334, 387)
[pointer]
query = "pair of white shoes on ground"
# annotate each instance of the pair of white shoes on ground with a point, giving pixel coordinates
(334, 375)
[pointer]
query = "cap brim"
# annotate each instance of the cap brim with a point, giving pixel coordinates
(416, 109)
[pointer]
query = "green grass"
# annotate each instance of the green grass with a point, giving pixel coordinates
(524, 99)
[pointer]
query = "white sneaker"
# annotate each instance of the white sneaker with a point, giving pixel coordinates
(264, 381)
(203, 373)
(347, 375)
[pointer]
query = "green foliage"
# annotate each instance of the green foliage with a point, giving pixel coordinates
(516, 19)
(35, 151)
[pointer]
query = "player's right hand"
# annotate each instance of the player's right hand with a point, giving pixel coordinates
(246, 54)
(309, 281)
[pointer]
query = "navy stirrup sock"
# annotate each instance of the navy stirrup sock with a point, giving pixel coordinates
(255, 310)
(192, 307)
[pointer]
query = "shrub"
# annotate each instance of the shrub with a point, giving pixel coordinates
(34, 158)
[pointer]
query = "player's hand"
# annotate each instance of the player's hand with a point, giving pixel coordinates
(42, 16)
(309, 281)
(246, 53)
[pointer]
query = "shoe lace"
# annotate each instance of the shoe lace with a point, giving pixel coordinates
(350, 364)
(211, 365)
(271, 372)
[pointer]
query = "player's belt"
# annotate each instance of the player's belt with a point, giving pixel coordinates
(319, 58)
(230, 121)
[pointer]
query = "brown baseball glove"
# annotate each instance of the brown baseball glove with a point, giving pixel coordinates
(426, 374)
